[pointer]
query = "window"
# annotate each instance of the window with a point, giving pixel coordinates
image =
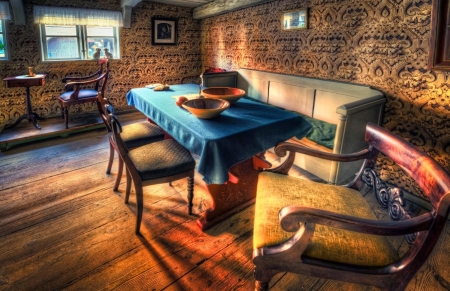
(3, 44)
(78, 42)
(77, 33)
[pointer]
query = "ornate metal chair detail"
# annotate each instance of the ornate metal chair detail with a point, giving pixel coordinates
(329, 231)
(154, 163)
(84, 89)
(134, 134)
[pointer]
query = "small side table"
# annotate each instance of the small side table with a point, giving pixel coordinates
(27, 82)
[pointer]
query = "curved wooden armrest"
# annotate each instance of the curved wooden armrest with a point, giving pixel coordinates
(75, 79)
(283, 147)
(78, 84)
(291, 216)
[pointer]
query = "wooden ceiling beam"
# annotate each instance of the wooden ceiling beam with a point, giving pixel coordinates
(18, 11)
(217, 7)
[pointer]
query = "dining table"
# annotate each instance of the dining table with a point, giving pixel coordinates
(230, 146)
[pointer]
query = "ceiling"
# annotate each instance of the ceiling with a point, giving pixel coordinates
(184, 3)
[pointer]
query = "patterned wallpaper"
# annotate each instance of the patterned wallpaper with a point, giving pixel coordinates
(140, 63)
(381, 43)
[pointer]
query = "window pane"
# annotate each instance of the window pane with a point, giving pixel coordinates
(99, 31)
(62, 47)
(1, 26)
(62, 30)
(2, 47)
(101, 43)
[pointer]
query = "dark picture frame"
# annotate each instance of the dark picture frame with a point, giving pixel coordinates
(439, 57)
(164, 31)
(294, 19)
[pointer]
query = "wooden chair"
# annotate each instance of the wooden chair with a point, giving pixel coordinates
(329, 231)
(194, 79)
(154, 163)
(134, 135)
(83, 89)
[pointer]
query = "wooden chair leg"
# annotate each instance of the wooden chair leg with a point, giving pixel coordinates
(139, 206)
(128, 188)
(111, 158)
(119, 175)
(190, 196)
(66, 117)
(261, 286)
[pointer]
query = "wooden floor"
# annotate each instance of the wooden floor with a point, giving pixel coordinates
(62, 227)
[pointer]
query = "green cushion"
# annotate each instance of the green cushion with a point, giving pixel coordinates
(321, 132)
(276, 191)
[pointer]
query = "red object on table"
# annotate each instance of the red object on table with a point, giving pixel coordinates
(27, 82)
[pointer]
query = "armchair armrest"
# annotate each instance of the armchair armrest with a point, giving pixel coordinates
(77, 86)
(291, 216)
(83, 82)
(75, 79)
(283, 147)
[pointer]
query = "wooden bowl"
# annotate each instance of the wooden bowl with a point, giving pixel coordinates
(230, 94)
(206, 108)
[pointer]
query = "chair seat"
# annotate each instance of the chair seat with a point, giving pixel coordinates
(161, 159)
(140, 133)
(276, 191)
(83, 94)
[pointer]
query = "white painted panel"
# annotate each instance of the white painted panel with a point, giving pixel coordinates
(295, 98)
(326, 103)
(255, 88)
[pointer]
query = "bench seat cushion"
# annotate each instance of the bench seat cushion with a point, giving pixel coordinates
(276, 191)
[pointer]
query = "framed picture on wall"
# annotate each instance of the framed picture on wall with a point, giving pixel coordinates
(164, 31)
(294, 19)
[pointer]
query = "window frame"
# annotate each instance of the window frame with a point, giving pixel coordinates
(5, 40)
(82, 42)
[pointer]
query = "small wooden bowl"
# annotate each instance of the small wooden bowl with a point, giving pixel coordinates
(230, 94)
(206, 108)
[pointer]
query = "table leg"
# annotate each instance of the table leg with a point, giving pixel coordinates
(230, 198)
(30, 116)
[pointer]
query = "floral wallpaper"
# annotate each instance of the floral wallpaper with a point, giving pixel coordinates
(381, 43)
(140, 62)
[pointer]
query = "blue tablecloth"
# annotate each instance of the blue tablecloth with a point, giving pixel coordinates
(245, 129)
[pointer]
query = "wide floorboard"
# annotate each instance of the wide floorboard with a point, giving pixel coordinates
(62, 227)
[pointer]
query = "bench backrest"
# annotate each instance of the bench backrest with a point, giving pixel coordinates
(313, 97)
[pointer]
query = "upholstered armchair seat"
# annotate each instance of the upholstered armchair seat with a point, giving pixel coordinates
(276, 191)
(82, 94)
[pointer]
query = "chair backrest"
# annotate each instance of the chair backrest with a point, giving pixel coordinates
(97, 80)
(431, 177)
(102, 110)
(116, 130)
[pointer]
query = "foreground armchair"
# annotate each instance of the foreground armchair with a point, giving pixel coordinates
(329, 231)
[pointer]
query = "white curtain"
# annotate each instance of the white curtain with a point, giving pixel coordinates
(4, 10)
(76, 16)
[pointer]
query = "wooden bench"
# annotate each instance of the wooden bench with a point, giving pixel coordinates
(349, 107)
